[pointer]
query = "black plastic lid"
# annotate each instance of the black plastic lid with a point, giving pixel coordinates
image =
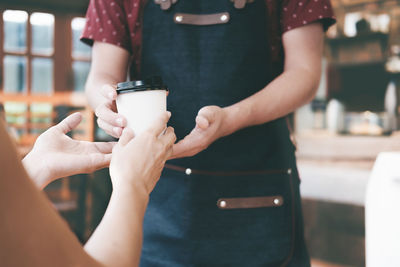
(151, 83)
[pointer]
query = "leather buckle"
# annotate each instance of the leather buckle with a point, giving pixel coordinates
(165, 4)
(239, 4)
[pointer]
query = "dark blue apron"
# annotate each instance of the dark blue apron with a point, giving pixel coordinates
(236, 203)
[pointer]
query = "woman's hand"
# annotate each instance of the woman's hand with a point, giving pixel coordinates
(56, 155)
(209, 127)
(138, 161)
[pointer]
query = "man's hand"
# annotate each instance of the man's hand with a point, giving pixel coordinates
(56, 155)
(209, 127)
(107, 117)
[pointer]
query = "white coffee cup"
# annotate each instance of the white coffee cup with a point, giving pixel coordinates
(141, 102)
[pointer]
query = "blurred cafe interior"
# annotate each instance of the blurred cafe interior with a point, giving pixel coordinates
(354, 117)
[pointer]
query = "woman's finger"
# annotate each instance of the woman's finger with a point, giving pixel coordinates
(69, 123)
(101, 161)
(126, 137)
(169, 153)
(169, 137)
(160, 124)
(104, 147)
(92, 162)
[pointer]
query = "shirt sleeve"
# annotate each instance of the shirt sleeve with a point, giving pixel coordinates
(297, 13)
(106, 21)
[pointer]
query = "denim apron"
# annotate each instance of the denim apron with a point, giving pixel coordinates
(236, 203)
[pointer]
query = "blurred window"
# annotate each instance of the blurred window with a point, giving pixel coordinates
(28, 68)
(28, 43)
(42, 33)
(81, 71)
(41, 116)
(81, 54)
(15, 30)
(42, 76)
(79, 49)
(36, 63)
(14, 74)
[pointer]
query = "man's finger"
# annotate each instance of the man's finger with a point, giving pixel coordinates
(186, 147)
(111, 130)
(181, 150)
(202, 122)
(127, 135)
(105, 113)
(159, 124)
(208, 113)
(69, 123)
(109, 92)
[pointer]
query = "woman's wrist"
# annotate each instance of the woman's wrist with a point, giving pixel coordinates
(124, 187)
(135, 194)
(39, 174)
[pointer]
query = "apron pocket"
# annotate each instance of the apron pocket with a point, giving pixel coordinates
(245, 220)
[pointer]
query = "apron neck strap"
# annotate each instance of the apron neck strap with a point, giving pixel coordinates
(166, 4)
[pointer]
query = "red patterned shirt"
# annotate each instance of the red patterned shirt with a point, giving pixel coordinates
(118, 22)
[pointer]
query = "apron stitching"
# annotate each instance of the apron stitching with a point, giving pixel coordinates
(289, 257)
(189, 171)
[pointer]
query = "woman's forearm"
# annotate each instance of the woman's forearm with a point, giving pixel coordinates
(117, 240)
(31, 227)
(32, 231)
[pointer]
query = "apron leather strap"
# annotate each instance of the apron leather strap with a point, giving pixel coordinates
(239, 4)
(201, 20)
(165, 4)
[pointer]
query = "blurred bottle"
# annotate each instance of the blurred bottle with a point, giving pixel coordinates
(335, 116)
(391, 105)
(318, 107)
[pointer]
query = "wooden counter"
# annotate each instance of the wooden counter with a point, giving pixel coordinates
(337, 168)
(325, 146)
(334, 171)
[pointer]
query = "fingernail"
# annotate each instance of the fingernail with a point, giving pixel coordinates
(120, 122)
(169, 114)
(111, 95)
(117, 131)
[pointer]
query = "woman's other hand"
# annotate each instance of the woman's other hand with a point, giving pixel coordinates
(56, 155)
(137, 162)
